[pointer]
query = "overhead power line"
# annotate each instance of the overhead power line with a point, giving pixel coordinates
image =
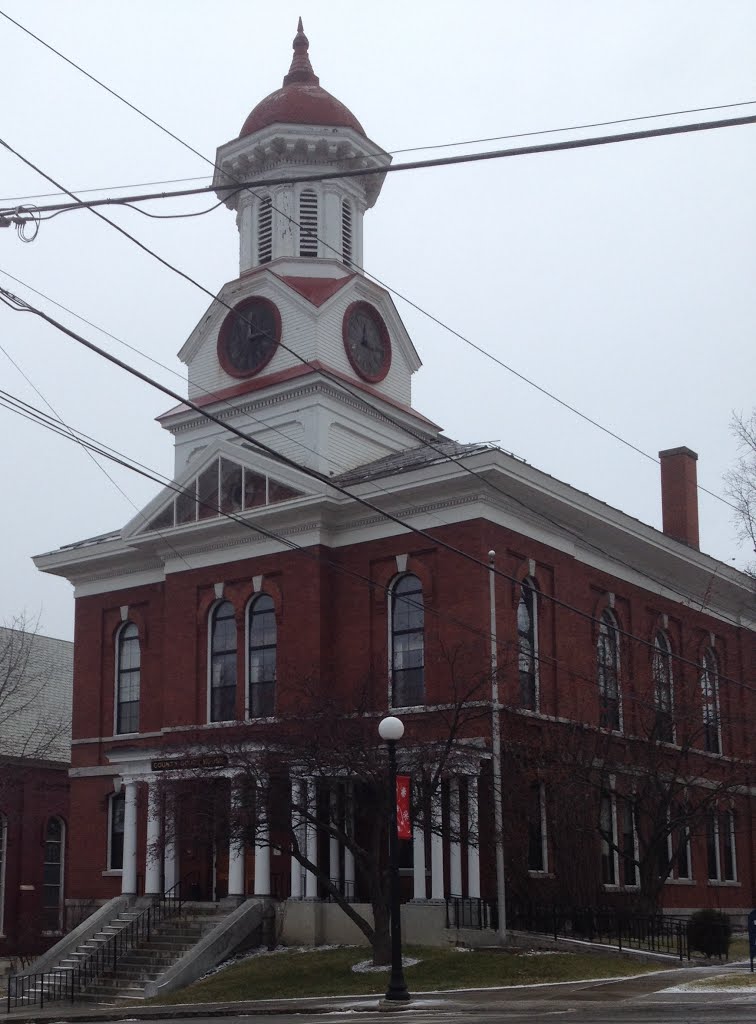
(412, 165)
(20, 306)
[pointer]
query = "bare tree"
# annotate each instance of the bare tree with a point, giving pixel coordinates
(322, 767)
(740, 481)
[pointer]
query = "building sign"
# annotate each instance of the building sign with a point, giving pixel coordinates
(173, 764)
(403, 823)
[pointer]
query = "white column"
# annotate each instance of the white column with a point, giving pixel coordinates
(473, 839)
(129, 875)
(349, 874)
(311, 880)
(296, 831)
(153, 854)
(262, 844)
(170, 873)
(455, 847)
(334, 865)
(437, 849)
(235, 845)
(418, 861)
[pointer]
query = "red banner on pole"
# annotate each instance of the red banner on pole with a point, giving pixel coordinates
(403, 823)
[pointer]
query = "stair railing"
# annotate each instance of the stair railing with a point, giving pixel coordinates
(67, 983)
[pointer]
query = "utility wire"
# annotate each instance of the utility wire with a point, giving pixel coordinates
(55, 425)
(412, 165)
(19, 305)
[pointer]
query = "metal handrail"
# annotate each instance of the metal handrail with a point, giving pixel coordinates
(66, 983)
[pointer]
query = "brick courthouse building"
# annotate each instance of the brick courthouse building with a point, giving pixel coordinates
(612, 639)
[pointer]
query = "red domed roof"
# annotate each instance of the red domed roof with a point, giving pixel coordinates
(300, 100)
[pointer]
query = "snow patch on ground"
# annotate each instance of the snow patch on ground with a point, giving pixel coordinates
(368, 967)
(264, 951)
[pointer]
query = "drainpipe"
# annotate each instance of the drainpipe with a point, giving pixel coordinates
(501, 904)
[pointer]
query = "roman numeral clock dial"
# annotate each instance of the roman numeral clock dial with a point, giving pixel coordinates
(367, 342)
(249, 337)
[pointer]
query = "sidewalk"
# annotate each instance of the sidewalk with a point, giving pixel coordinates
(463, 1000)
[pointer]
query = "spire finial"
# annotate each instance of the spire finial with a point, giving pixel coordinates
(301, 69)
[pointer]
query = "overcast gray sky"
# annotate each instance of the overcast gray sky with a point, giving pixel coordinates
(621, 278)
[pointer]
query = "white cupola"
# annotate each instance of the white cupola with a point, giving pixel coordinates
(300, 130)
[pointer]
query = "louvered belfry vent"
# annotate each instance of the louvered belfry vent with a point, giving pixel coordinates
(346, 232)
(308, 223)
(265, 230)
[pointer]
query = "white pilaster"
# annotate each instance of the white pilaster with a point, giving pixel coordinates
(296, 830)
(437, 849)
(153, 857)
(129, 875)
(311, 880)
(236, 845)
(418, 863)
(473, 839)
(262, 844)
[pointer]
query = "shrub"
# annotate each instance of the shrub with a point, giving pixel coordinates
(709, 932)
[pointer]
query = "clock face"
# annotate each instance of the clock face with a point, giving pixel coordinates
(249, 336)
(366, 340)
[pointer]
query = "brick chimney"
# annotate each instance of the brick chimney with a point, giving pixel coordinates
(679, 488)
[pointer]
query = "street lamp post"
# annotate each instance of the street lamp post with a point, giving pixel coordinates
(390, 730)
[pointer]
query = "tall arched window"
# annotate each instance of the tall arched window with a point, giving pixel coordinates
(265, 230)
(52, 880)
(607, 670)
(407, 643)
(663, 702)
(262, 657)
(128, 679)
(3, 846)
(223, 664)
(308, 222)
(346, 232)
(527, 644)
(710, 702)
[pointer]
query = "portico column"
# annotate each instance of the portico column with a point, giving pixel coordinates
(296, 836)
(311, 880)
(262, 845)
(473, 839)
(455, 847)
(437, 848)
(129, 874)
(349, 874)
(418, 862)
(334, 864)
(236, 844)
(153, 855)
(169, 845)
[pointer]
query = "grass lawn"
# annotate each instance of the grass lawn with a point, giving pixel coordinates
(726, 981)
(324, 972)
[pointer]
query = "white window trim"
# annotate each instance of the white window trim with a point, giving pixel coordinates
(530, 582)
(211, 614)
(668, 658)
(714, 684)
(247, 685)
(613, 844)
(61, 886)
(390, 643)
(3, 863)
(614, 625)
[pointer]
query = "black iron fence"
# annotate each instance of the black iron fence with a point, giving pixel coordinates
(468, 912)
(66, 983)
(655, 933)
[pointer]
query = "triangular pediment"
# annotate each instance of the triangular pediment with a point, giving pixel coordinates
(223, 482)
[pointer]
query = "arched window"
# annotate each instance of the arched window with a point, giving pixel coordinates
(607, 670)
(527, 644)
(3, 847)
(262, 657)
(264, 229)
(52, 880)
(407, 643)
(128, 679)
(662, 673)
(346, 232)
(710, 702)
(223, 664)
(116, 818)
(308, 222)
